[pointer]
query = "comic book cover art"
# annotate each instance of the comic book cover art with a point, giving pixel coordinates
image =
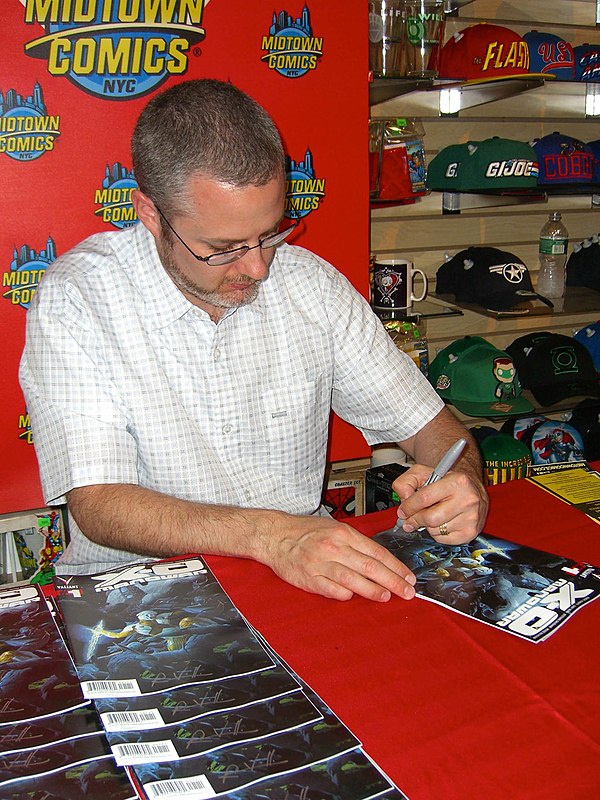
(97, 780)
(242, 765)
(351, 776)
(148, 627)
(255, 721)
(37, 676)
(28, 735)
(527, 592)
(192, 702)
(23, 764)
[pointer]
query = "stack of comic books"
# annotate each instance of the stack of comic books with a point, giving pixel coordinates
(193, 702)
(521, 590)
(52, 744)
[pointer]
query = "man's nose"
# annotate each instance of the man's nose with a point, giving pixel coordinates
(255, 263)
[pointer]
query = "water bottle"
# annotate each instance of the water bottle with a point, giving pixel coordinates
(554, 239)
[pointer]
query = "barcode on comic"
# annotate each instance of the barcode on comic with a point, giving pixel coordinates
(189, 788)
(92, 689)
(144, 752)
(132, 720)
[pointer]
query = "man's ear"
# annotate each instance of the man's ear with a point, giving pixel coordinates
(146, 212)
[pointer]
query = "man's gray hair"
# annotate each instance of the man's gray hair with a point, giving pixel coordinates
(203, 127)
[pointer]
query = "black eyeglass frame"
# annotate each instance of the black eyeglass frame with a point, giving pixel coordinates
(230, 256)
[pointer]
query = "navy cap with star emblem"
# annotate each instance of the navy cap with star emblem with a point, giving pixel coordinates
(488, 277)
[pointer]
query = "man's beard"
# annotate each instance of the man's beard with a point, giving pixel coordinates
(213, 298)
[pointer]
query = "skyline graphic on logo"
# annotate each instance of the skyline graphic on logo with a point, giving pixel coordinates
(292, 50)
(304, 192)
(115, 50)
(26, 270)
(114, 198)
(26, 129)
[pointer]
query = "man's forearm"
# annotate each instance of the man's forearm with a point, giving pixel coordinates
(434, 440)
(139, 520)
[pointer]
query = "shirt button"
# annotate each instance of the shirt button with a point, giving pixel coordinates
(248, 495)
(227, 429)
(216, 354)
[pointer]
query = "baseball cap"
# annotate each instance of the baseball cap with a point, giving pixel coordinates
(444, 168)
(520, 350)
(587, 62)
(489, 277)
(485, 52)
(589, 337)
(522, 427)
(585, 417)
(478, 378)
(583, 265)
(505, 459)
(557, 367)
(563, 159)
(550, 54)
(595, 148)
(556, 442)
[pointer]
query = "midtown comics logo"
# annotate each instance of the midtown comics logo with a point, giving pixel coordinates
(292, 50)
(24, 426)
(26, 270)
(27, 131)
(114, 198)
(304, 191)
(115, 49)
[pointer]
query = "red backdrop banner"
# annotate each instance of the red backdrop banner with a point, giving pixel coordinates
(73, 78)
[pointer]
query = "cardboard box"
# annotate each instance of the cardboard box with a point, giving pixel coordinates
(378, 487)
(344, 494)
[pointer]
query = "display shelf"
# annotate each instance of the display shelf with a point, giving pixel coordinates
(469, 94)
(455, 202)
(577, 300)
(425, 309)
(382, 89)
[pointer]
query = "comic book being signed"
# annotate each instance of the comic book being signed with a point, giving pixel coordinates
(37, 676)
(527, 592)
(149, 627)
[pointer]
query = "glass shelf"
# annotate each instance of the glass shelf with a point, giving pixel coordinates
(425, 309)
(577, 300)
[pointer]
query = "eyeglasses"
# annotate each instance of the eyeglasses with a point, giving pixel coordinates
(229, 256)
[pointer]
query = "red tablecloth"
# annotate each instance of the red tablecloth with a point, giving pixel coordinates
(450, 708)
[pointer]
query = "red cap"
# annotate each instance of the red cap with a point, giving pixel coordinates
(485, 52)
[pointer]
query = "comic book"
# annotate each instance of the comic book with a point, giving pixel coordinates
(73, 724)
(149, 627)
(50, 758)
(526, 592)
(37, 676)
(351, 776)
(193, 702)
(239, 766)
(100, 779)
(207, 734)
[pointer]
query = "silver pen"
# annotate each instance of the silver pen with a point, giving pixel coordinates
(445, 464)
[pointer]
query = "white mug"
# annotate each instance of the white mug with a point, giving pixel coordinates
(393, 285)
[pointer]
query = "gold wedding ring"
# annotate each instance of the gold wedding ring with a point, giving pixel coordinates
(444, 529)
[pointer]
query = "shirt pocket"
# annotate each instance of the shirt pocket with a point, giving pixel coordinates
(295, 419)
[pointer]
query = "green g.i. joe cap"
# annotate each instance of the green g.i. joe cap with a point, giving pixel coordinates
(491, 165)
(478, 378)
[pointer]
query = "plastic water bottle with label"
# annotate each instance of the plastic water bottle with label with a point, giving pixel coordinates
(554, 239)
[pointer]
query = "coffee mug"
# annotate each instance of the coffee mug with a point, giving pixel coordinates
(393, 285)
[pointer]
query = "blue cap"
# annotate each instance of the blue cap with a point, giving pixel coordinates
(589, 336)
(563, 159)
(550, 55)
(587, 62)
